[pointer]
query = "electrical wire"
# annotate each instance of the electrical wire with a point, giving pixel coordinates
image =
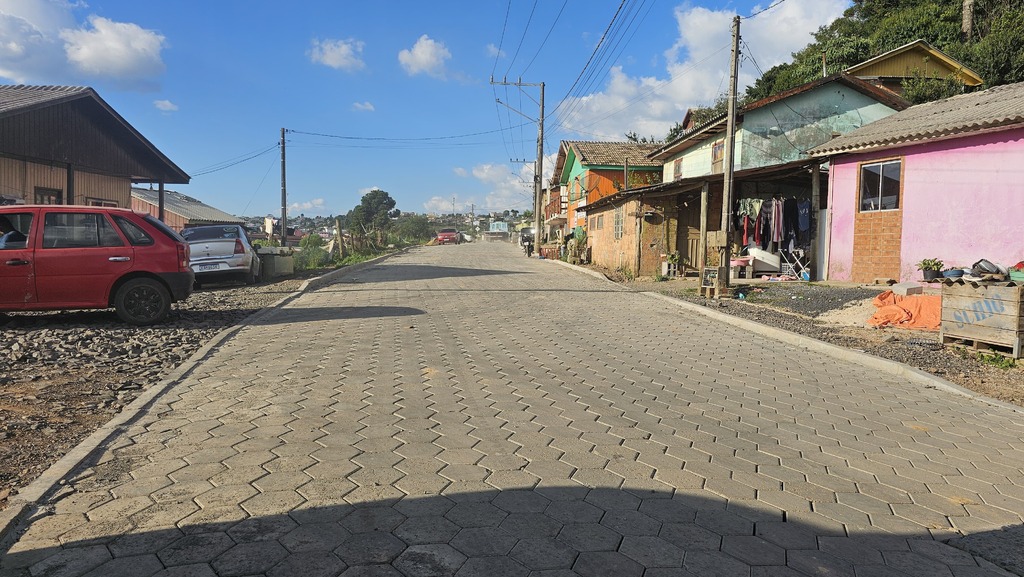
(522, 39)
(548, 35)
(763, 10)
(229, 163)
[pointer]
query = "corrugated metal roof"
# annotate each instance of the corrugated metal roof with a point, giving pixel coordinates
(996, 108)
(194, 210)
(17, 98)
(614, 153)
(718, 124)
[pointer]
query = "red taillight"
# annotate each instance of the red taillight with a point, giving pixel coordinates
(183, 256)
(239, 249)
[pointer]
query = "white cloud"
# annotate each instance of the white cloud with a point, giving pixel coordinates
(30, 47)
(316, 203)
(338, 54)
(363, 106)
(165, 105)
(495, 52)
(696, 68)
(42, 41)
(116, 50)
(425, 57)
(459, 171)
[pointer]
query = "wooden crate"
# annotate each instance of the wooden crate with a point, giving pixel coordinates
(984, 316)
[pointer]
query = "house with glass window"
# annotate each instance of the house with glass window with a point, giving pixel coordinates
(937, 180)
(777, 190)
(587, 171)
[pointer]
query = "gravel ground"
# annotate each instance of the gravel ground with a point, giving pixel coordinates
(62, 375)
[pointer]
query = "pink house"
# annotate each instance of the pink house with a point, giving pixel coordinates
(941, 180)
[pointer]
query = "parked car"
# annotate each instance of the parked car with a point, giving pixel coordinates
(222, 251)
(448, 236)
(89, 257)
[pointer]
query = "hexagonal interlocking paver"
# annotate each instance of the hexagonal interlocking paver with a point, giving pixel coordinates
(429, 561)
(408, 423)
(370, 548)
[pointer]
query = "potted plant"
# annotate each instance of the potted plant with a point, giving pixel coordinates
(931, 267)
(670, 266)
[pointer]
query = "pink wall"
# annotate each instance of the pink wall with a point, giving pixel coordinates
(963, 200)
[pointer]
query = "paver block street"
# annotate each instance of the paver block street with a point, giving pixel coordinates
(464, 410)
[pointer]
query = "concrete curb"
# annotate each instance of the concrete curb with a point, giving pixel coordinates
(28, 498)
(923, 378)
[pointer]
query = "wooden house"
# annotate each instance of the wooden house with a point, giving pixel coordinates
(65, 145)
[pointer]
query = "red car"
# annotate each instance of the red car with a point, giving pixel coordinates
(55, 257)
(448, 236)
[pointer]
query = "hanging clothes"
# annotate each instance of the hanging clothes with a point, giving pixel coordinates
(790, 217)
(764, 228)
(803, 221)
(777, 220)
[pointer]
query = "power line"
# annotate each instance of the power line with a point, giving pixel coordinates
(522, 39)
(229, 163)
(763, 10)
(548, 35)
(387, 139)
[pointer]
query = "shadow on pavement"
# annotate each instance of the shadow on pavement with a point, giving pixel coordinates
(388, 272)
(569, 530)
(320, 314)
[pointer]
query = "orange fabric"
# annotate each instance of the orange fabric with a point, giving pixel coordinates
(909, 312)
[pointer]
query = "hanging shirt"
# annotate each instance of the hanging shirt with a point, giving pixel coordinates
(803, 210)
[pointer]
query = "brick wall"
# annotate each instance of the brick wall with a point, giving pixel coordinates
(605, 249)
(876, 245)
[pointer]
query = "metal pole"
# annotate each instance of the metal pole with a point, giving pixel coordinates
(539, 184)
(730, 145)
(284, 197)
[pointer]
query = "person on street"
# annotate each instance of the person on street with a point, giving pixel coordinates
(10, 237)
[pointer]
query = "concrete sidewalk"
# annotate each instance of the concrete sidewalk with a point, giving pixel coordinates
(465, 410)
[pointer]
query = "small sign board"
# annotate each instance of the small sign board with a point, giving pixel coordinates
(709, 277)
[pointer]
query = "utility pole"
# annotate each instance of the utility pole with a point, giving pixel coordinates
(538, 176)
(284, 196)
(722, 284)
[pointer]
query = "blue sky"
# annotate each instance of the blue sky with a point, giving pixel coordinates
(391, 94)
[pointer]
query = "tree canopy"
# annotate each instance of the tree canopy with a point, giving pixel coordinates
(985, 35)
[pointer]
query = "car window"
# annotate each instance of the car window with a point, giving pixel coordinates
(159, 225)
(78, 230)
(15, 230)
(135, 234)
(210, 233)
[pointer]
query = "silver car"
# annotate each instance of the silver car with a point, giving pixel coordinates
(222, 251)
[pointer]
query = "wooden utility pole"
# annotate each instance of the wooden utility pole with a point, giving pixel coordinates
(722, 283)
(538, 178)
(284, 197)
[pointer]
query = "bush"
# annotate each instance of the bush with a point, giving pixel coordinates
(311, 258)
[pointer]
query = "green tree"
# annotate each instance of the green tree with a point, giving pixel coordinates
(372, 219)
(413, 228)
(919, 88)
(311, 240)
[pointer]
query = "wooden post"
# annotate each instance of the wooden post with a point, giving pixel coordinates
(812, 253)
(702, 258)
